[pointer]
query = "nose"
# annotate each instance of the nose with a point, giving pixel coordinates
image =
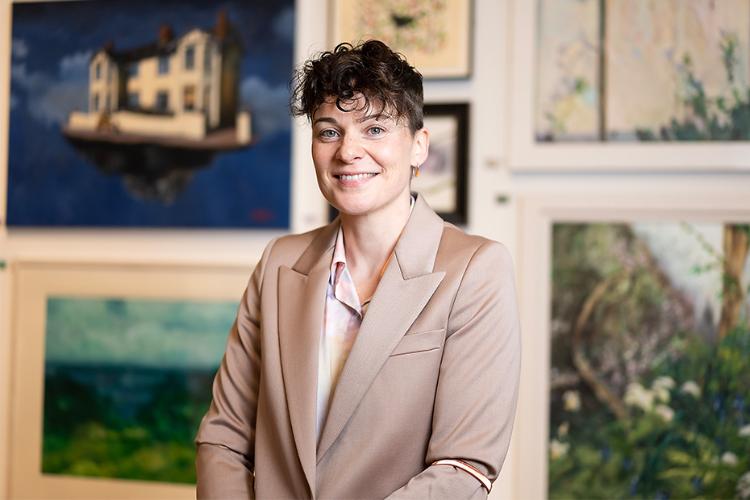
(350, 149)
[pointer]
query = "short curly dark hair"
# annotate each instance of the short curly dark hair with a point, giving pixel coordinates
(383, 77)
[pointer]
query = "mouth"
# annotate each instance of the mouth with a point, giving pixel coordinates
(354, 180)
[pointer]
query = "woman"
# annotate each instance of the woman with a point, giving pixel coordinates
(377, 356)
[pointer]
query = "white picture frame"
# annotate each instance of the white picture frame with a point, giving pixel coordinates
(538, 212)
(528, 155)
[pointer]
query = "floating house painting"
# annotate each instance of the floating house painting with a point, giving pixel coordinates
(157, 127)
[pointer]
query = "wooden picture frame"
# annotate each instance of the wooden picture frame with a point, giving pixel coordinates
(538, 213)
(36, 287)
(528, 154)
(435, 36)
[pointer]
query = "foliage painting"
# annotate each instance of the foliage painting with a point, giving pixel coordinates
(126, 384)
(643, 71)
(650, 363)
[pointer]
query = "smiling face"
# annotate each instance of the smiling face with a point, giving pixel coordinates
(362, 160)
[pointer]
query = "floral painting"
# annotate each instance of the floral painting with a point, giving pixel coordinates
(650, 361)
(672, 70)
(434, 35)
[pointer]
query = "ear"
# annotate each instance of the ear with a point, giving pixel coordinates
(420, 146)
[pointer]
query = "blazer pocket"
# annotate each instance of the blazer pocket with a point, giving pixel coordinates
(419, 342)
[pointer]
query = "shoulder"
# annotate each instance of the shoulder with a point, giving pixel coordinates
(458, 250)
(287, 249)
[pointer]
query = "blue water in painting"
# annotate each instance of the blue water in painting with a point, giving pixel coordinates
(51, 184)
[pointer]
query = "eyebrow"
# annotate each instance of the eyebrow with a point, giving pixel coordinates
(365, 118)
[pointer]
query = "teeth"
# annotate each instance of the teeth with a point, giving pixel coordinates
(355, 177)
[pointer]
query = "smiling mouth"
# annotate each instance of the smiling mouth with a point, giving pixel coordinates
(355, 177)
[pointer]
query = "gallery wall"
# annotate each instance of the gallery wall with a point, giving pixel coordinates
(518, 189)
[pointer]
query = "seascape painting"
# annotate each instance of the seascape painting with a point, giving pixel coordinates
(150, 114)
(126, 383)
(650, 360)
(672, 70)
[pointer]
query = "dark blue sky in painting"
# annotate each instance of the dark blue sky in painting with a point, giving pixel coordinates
(51, 184)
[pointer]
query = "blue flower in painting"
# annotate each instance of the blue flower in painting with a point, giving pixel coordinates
(697, 484)
(634, 486)
(661, 495)
(606, 453)
(627, 464)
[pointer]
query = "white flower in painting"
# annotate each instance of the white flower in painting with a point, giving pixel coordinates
(744, 431)
(563, 428)
(558, 449)
(665, 412)
(691, 388)
(743, 486)
(729, 458)
(663, 383)
(572, 400)
(661, 387)
(638, 396)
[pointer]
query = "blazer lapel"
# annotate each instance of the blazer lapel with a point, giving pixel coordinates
(301, 299)
(403, 291)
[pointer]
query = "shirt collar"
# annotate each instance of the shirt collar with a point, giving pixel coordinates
(339, 252)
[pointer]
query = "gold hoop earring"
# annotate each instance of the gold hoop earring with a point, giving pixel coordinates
(416, 170)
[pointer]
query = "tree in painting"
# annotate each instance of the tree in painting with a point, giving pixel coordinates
(650, 379)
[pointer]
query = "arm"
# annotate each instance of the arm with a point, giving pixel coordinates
(226, 438)
(478, 383)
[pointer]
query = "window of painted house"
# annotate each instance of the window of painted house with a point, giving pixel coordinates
(190, 57)
(207, 59)
(133, 69)
(132, 99)
(95, 102)
(163, 65)
(97, 71)
(162, 100)
(188, 97)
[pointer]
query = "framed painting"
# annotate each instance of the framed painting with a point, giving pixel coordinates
(443, 176)
(152, 114)
(434, 35)
(631, 86)
(638, 314)
(112, 372)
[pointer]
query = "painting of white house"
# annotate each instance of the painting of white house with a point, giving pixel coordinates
(151, 114)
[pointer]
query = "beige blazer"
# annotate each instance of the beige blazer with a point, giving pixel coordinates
(433, 374)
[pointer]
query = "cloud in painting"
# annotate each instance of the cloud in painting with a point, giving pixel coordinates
(269, 105)
(19, 48)
(283, 25)
(51, 99)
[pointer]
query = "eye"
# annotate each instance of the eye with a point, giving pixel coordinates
(376, 130)
(328, 133)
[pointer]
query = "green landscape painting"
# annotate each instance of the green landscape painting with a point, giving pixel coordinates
(642, 70)
(126, 384)
(650, 361)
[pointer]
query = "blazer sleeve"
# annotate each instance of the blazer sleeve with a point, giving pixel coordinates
(226, 437)
(477, 388)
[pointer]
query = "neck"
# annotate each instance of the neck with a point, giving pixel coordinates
(371, 238)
